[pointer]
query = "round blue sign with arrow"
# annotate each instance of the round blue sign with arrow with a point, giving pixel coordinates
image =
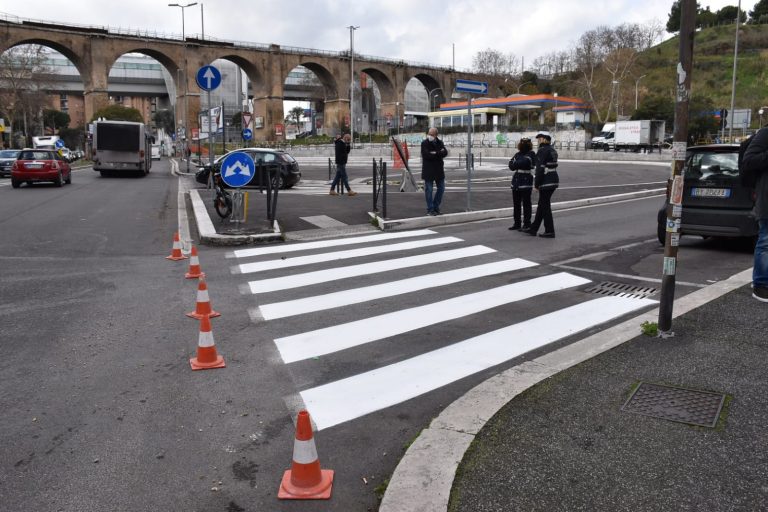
(59, 144)
(208, 78)
(237, 169)
(247, 134)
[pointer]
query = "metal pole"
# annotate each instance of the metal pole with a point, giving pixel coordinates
(210, 132)
(733, 79)
(469, 152)
(202, 22)
(679, 146)
(352, 83)
(186, 93)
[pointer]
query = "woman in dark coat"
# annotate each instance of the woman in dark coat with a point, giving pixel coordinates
(523, 163)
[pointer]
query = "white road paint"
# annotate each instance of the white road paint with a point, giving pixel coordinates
(247, 268)
(389, 289)
(626, 276)
(352, 334)
(350, 398)
(324, 244)
(323, 221)
(324, 276)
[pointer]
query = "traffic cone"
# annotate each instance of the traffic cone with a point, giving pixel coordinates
(176, 251)
(194, 266)
(203, 306)
(206, 349)
(305, 480)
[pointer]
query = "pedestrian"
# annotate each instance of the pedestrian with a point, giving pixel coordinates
(523, 163)
(756, 160)
(342, 148)
(545, 182)
(433, 153)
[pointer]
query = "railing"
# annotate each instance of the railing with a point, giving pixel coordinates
(380, 186)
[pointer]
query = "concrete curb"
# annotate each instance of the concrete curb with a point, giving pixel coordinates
(208, 234)
(423, 479)
(462, 217)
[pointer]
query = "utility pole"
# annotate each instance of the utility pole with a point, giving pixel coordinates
(733, 79)
(679, 147)
(352, 29)
(186, 83)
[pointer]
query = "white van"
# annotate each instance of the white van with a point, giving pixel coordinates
(156, 152)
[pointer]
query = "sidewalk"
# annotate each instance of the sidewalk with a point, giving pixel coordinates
(556, 437)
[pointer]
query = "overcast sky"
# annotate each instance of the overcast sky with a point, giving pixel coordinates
(414, 30)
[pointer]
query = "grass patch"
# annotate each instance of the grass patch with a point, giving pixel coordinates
(650, 328)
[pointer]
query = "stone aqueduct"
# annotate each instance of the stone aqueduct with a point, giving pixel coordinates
(93, 51)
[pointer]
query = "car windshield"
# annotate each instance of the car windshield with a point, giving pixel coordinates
(706, 165)
(9, 153)
(36, 155)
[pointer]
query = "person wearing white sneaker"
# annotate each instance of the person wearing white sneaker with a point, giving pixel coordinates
(342, 148)
(755, 161)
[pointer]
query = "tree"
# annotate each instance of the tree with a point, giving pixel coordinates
(295, 115)
(657, 107)
(673, 21)
(55, 119)
(701, 122)
(760, 10)
(237, 120)
(118, 113)
(164, 119)
(728, 15)
(493, 62)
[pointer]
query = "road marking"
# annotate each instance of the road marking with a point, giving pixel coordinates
(324, 276)
(323, 244)
(350, 398)
(626, 276)
(389, 289)
(602, 254)
(323, 221)
(247, 268)
(352, 334)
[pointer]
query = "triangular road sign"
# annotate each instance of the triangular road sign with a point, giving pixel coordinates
(246, 119)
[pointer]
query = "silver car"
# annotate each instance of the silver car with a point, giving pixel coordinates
(7, 157)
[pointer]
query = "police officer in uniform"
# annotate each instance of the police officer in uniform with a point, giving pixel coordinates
(545, 181)
(523, 163)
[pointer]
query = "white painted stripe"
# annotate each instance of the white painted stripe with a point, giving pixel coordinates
(324, 276)
(304, 452)
(342, 255)
(323, 221)
(350, 398)
(324, 244)
(390, 289)
(205, 339)
(202, 296)
(344, 336)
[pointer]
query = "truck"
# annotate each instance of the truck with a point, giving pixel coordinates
(121, 147)
(45, 142)
(643, 135)
(598, 141)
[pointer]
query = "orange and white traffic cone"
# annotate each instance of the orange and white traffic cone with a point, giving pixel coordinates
(207, 357)
(203, 306)
(176, 251)
(305, 480)
(194, 265)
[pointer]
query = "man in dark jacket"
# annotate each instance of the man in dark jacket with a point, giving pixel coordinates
(545, 181)
(342, 148)
(756, 159)
(432, 170)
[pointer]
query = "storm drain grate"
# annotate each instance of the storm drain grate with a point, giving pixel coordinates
(690, 406)
(622, 290)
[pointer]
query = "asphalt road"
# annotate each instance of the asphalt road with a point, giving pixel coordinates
(102, 411)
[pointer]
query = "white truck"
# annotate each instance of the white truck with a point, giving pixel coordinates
(645, 135)
(120, 147)
(598, 141)
(45, 142)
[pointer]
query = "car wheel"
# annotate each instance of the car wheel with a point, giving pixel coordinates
(280, 181)
(68, 181)
(15, 183)
(59, 181)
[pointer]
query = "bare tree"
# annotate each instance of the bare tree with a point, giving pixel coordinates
(24, 77)
(494, 62)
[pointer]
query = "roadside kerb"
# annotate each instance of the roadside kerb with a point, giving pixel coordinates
(423, 479)
(462, 217)
(207, 231)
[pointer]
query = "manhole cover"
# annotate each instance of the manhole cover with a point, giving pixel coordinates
(622, 290)
(676, 404)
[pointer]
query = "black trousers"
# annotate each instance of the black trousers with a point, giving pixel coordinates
(521, 200)
(544, 211)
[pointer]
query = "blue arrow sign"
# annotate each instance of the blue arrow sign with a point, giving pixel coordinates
(237, 169)
(208, 78)
(472, 86)
(247, 134)
(59, 144)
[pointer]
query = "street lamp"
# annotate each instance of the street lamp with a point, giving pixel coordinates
(352, 29)
(615, 84)
(186, 85)
(555, 111)
(517, 110)
(637, 82)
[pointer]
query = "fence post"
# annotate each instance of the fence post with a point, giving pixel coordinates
(384, 192)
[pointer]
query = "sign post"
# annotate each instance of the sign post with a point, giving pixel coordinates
(470, 87)
(208, 78)
(237, 170)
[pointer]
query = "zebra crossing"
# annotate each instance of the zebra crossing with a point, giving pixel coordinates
(358, 305)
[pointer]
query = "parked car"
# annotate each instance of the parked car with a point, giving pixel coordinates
(714, 202)
(34, 165)
(289, 174)
(7, 157)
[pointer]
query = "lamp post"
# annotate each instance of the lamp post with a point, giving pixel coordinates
(352, 29)
(733, 79)
(636, 83)
(555, 111)
(186, 85)
(397, 115)
(615, 85)
(517, 110)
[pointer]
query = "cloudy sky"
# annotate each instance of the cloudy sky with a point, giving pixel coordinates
(414, 30)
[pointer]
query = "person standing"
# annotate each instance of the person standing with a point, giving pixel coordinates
(546, 182)
(756, 160)
(433, 153)
(342, 148)
(523, 163)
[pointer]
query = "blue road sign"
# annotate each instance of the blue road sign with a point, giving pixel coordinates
(247, 134)
(59, 144)
(237, 169)
(208, 78)
(472, 86)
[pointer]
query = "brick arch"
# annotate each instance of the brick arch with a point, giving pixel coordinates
(326, 77)
(383, 82)
(61, 47)
(430, 83)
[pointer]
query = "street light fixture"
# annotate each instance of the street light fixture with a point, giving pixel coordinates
(761, 112)
(517, 110)
(352, 29)
(637, 82)
(615, 84)
(186, 85)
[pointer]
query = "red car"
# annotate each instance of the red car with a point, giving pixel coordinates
(34, 165)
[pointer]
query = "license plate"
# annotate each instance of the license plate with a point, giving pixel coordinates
(34, 166)
(711, 192)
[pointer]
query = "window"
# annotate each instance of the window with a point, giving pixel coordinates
(63, 103)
